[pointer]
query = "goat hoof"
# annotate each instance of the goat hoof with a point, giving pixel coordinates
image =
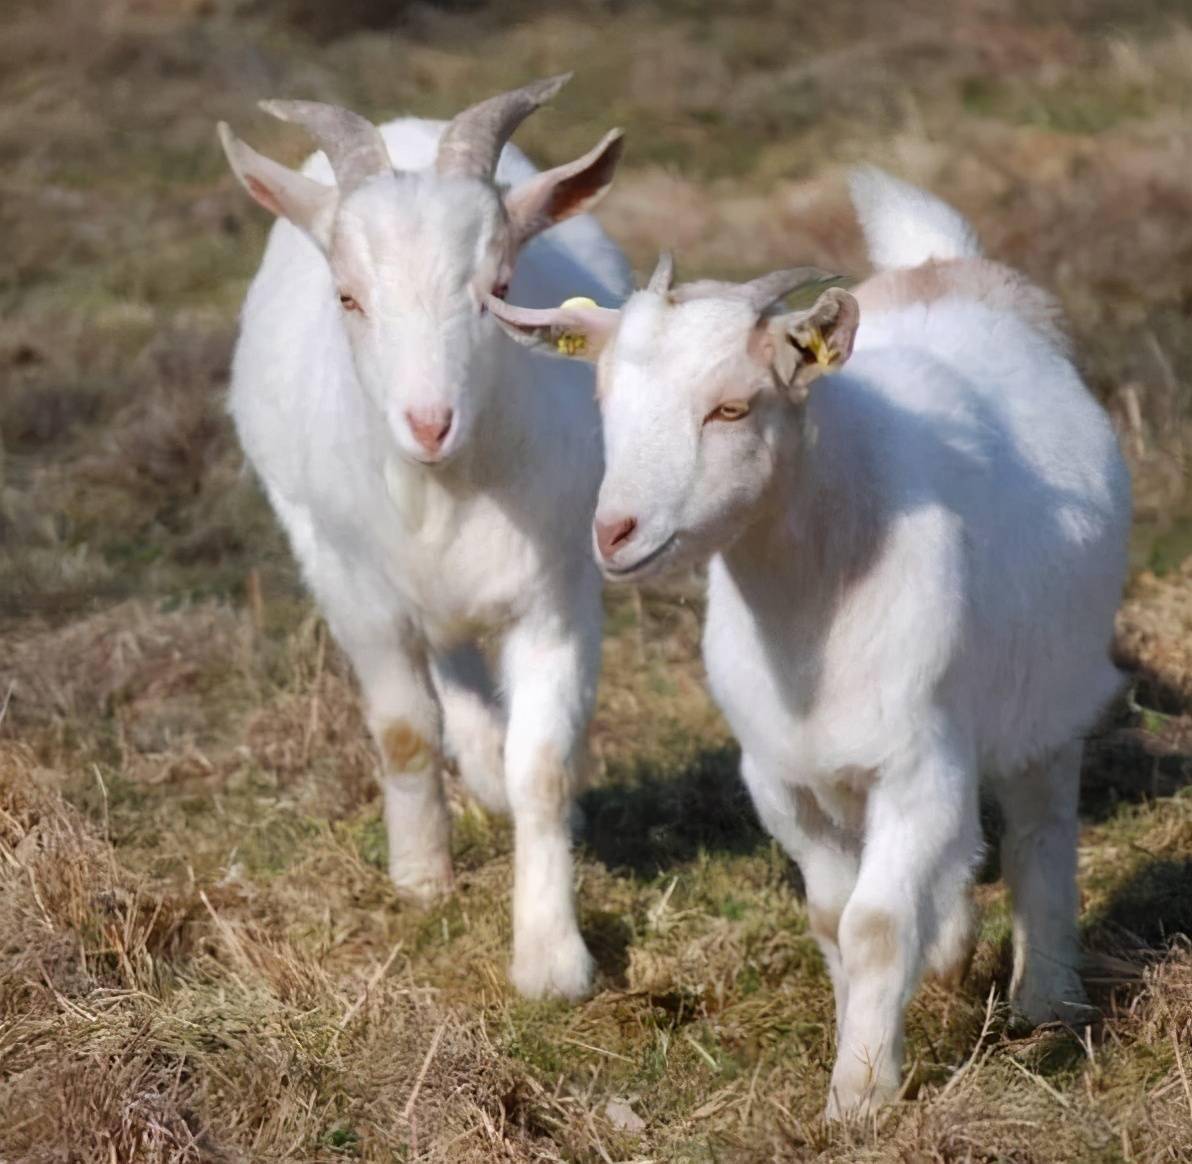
(553, 969)
(423, 886)
(1069, 1014)
(856, 1093)
(1063, 1000)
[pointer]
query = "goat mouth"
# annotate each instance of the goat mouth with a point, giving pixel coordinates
(643, 564)
(432, 462)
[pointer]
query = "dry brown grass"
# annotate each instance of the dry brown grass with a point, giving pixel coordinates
(200, 955)
(145, 1023)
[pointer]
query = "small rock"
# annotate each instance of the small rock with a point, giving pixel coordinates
(623, 1117)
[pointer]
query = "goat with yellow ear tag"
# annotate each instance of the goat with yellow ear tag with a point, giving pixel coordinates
(914, 517)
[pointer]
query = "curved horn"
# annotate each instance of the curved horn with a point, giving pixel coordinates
(706, 289)
(760, 293)
(765, 291)
(472, 143)
(664, 274)
(353, 145)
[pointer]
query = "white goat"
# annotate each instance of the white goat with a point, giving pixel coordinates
(437, 484)
(916, 565)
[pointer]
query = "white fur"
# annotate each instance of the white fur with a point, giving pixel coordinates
(905, 226)
(914, 582)
(415, 565)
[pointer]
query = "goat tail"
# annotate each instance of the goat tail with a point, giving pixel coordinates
(905, 226)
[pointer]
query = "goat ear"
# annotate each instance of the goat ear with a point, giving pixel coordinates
(579, 328)
(308, 204)
(556, 194)
(806, 344)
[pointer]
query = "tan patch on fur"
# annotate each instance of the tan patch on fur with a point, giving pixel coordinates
(983, 280)
(760, 344)
(870, 941)
(549, 790)
(404, 749)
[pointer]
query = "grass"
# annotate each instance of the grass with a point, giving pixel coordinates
(200, 956)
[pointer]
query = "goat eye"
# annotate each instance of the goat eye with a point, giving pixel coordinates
(729, 410)
(347, 302)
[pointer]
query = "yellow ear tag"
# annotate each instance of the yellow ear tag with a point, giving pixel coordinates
(571, 343)
(825, 355)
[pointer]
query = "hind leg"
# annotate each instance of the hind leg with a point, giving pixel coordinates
(404, 716)
(473, 724)
(1039, 864)
(406, 722)
(951, 953)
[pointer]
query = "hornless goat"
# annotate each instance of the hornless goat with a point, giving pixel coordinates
(435, 482)
(915, 566)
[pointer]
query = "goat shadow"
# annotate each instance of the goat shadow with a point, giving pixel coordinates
(1125, 760)
(647, 821)
(1147, 912)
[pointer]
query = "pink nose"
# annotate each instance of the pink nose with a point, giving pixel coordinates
(430, 427)
(612, 535)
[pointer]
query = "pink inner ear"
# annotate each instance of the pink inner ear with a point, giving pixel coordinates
(262, 194)
(571, 195)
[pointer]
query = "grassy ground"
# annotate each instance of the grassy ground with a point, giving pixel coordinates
(200, 957)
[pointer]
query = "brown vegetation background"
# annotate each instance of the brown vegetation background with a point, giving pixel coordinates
(200, 956)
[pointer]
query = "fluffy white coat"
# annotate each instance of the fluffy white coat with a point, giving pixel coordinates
(417, 566)
(915, 564)
(933, 602)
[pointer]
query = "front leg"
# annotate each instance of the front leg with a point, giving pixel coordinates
(550, 679)
(390, 660)
(405, 720)
(922, 840)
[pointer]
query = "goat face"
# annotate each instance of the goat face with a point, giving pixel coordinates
(701, 394)
(691, 422)
(414, 256)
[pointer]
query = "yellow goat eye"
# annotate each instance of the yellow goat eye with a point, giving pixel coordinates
(729, 410)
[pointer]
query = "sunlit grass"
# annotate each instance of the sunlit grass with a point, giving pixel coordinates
(202, 958)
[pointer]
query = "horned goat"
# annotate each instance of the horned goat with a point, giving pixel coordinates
(915, 564)
(436, 484)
